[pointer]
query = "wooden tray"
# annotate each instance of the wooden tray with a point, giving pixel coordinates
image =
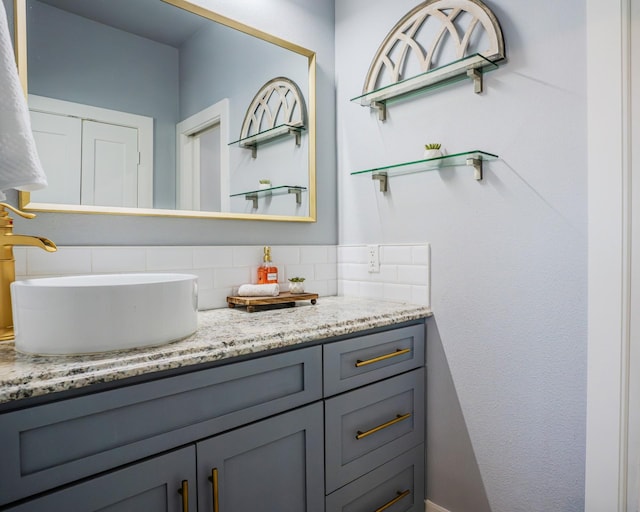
(285, 299)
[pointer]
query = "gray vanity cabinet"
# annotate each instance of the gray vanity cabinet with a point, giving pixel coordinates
(273, 465)
(166, 482)
(335, 427)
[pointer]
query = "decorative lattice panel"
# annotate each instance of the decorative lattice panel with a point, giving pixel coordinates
(278, 102)
(434, 34)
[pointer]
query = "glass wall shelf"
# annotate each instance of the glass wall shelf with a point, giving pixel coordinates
(253, 141)
(473, 158)
(472, 67)
(253, 195)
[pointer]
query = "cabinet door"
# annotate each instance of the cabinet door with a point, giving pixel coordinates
(158, 484)
(275, 464)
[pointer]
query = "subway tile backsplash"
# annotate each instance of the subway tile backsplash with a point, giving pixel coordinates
(404, 276)
(328, 269)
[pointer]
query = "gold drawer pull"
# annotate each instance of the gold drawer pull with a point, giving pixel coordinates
(394, 500)
(397, 353)
(214, 489)
(184, 491)
(397, 419)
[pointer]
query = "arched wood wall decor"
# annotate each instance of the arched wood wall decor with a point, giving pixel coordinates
(402, 44)
(277, 108)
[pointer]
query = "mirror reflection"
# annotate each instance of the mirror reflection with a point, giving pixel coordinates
(136, 104)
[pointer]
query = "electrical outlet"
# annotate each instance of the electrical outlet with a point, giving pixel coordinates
(373, 258)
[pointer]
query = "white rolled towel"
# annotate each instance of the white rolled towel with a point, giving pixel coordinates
(20, 165)
(259, 290)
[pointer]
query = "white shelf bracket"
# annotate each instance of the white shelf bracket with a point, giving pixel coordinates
(298, 194)
(254, 199)
(381, 107)
(383, 179)
(476, 163)
(476, 76)
(298, 136)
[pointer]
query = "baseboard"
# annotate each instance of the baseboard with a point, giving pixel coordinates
(430, 506)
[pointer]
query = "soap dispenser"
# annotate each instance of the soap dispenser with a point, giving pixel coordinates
(267, 272)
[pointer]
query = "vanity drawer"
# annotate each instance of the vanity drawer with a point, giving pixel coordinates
(396, 486)
(49, 445)
(358, 361)
(371, 425)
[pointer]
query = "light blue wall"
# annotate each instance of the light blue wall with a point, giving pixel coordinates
(219, 62)
(509, 254)
(75, 59)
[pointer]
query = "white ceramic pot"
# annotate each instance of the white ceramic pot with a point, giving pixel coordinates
(264, 186)
(297, 287)
(432, 153)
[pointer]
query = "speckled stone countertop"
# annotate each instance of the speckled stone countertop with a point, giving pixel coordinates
(222, 333)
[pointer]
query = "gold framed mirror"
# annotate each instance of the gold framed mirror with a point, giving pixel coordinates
(153, 132)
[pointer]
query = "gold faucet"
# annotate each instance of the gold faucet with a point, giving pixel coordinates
(8, 263)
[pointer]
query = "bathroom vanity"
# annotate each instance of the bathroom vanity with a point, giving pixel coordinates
(306, 409)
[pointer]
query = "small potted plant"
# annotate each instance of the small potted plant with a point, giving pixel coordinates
(266, 183)
(296, 284)
(432, 150)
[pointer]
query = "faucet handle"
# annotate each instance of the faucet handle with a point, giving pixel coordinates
(14, 210)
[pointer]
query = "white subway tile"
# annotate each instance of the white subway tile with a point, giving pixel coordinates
(420, 254)
(372, 290)
(118, 259)
(214, 298)
(314, 254)
(395, 254)
(352, 254)
(65, 261)
(332, 254)
(285, 255)
(230, 277)
(306, 271)
(413, 274)
(397, 292)
(355, 272)
(248, 255)
(319, 287)
(350, 288)
(205, 278)
(332, 288)
(214, 256)
(387, 274)
(325, 271)
(169, 258)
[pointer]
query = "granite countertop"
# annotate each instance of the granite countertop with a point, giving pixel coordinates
(221, 334)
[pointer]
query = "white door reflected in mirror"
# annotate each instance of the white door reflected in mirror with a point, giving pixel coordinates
(92, 156)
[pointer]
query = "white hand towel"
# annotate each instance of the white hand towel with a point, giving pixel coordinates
(20, 166)
(259, 290)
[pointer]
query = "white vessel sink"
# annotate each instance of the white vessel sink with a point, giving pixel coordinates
(100, 313)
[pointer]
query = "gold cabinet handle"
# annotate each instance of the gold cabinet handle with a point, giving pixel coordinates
(401, 494)
(397, 419)
(214, 489)
(184, 491)
(397, 353)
